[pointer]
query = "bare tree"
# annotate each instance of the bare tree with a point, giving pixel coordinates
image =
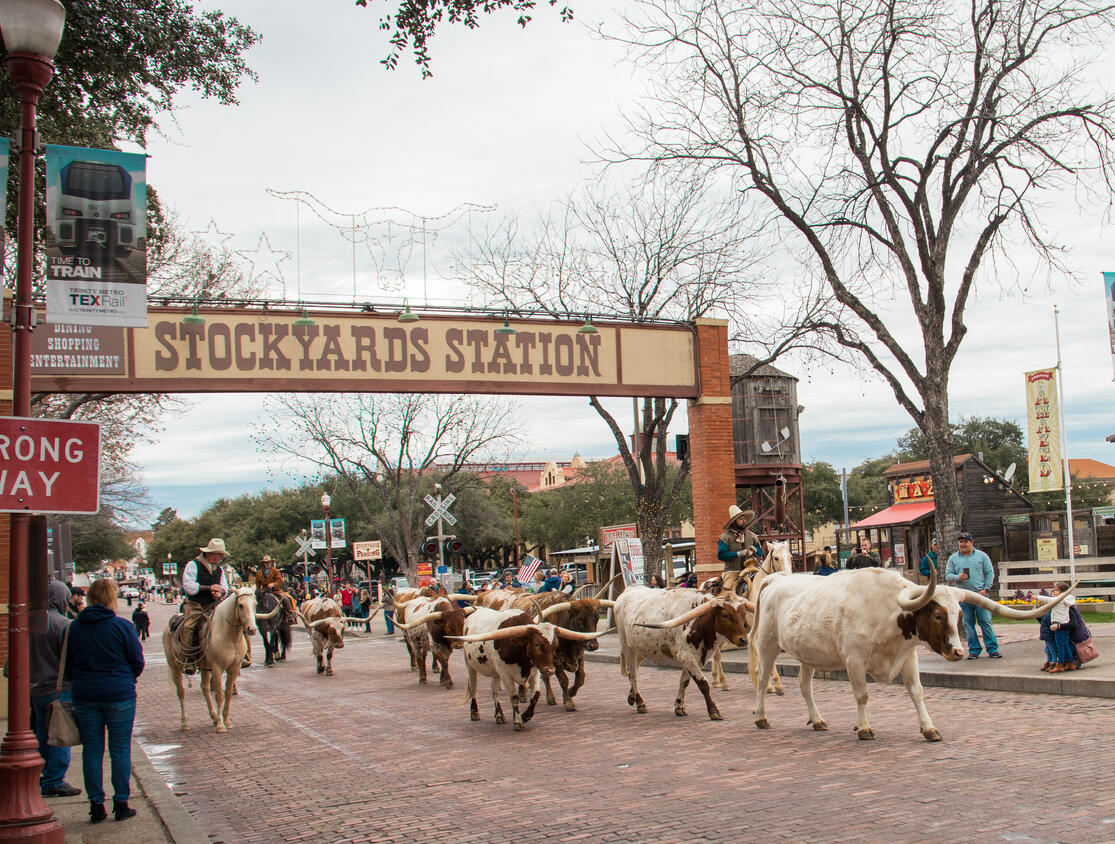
(657, 250)
(389, 449)
(902, 144)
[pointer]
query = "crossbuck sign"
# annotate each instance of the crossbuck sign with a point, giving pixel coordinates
(304, 548)
(441, 510)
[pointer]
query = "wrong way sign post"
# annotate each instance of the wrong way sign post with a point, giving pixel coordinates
(49, 465)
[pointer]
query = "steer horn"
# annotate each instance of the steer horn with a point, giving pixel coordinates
(434, 616)
(502, 633)
(461, 596)
(919, 599)
(1010, 612)
(269, 615)
(696, 612)
(614, 578)
(576, 635)
(554, 609)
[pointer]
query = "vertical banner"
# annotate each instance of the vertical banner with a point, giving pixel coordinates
(4, 146)
(337, 533)
(96, 237)
(317, 533)
(1043, 431)
(1109, 299)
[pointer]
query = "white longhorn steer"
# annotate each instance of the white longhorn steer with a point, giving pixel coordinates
(865, 621)
(679, 623)
(506, 646)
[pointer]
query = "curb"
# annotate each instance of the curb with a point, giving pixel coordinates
(1027, 684)
(181, 827)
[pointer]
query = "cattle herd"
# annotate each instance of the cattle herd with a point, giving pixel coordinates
(864, 622)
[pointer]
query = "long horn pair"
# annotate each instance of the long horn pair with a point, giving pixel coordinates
(576, 635)
(1010, 612)
(696, 612)
(461, 596)
(919, 599)
(502, 633)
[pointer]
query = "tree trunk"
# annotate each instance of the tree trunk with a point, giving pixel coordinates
(948, 512)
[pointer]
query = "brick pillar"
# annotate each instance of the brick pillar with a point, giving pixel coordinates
(6, 376)
(711, 454)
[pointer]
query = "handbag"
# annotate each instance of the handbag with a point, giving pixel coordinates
(1079, 631)
(1087, 651)
(61, 729)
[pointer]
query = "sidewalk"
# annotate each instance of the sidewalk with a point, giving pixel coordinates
(1018, 671)
(160, 817)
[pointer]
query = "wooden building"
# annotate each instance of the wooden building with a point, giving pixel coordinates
(902, 531)
(767, 449)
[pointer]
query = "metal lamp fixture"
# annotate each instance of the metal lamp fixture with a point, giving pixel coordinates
(407, 315)
(193, 317)
(305, 320)
(325, 499)
(588, 327)
(506, 327)
(32, 26)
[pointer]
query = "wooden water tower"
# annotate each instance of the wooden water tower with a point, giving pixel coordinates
(765, 414)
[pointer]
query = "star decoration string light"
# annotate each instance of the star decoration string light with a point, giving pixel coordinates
(265, 262)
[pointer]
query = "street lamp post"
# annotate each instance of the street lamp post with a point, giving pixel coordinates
(32, 31)
(328, 541)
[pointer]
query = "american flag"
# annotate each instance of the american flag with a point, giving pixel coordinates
(528, 568)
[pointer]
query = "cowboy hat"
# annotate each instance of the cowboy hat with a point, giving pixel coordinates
(266, 558)
(734, 513)
(215, 546)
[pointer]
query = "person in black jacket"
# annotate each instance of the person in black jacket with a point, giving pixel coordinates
(103, 659)
(46, 654)
(141, 621)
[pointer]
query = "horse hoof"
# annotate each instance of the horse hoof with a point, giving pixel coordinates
(820, 726)
(680, 711)
(866, 734)
(328, 672)
(222, 729)
(762, 724)
(500, 719)
(321, 671)
(570, 706)
(421, 681)
(551, 701)
(448, 685)
(931, 734)
(780, 691)
(475, 716)
(642, 709)
(715, 716)
(518, 725)
(631, 700)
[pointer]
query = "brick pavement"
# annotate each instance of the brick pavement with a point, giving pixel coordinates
(369, 755)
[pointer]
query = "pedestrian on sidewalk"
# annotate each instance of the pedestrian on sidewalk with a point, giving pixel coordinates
(366, 608)
(103, 659)
(930, 559)
(46, 653)
(1064, 658)
(971, 569)
(141, 621)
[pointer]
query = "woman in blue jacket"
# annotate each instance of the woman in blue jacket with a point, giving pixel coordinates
(103, 659)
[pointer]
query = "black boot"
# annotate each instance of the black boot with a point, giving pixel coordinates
(122, 811)
(97, 812)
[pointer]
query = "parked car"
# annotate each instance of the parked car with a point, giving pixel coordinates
(399, 583)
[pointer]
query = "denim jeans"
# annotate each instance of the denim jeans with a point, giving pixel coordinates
(1061, 647)
(389, 619)
(972, 614)
(92, 720)
(56, 759)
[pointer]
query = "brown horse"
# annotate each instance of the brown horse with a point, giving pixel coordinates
(221, 652)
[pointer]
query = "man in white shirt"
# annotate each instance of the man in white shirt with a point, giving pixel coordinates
(203, 581)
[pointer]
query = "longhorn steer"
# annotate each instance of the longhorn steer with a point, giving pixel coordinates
(428, 624)
(506, 646)
(399, 601)
(582, 615)
(679, 623)
(500, 598)
(865, 621)
(326, 623)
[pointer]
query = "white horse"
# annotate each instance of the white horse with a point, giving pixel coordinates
(745, 584)
(222, 652)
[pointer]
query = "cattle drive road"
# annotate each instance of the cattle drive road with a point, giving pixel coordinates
(369, 755)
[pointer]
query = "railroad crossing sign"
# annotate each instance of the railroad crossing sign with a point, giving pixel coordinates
(303, 546)
(441, 510)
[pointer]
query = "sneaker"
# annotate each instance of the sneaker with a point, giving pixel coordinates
(973, 656)
(63, 790)
(995, 655)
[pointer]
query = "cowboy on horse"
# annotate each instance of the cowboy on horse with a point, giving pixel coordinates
(203, 581)
(269, 579)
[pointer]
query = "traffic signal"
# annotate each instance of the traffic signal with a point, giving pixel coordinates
(454, 545)
(316, 569)
(300, 569)
(429, 547)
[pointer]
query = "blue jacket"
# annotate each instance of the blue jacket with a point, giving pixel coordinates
(551, 584)
(981, 574)
(930, 557)
(104, 657)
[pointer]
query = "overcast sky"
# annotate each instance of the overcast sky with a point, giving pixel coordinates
(508, 120)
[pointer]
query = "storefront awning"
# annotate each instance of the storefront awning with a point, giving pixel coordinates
(897, 514)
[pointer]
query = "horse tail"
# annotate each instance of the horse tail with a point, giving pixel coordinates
(285, 635)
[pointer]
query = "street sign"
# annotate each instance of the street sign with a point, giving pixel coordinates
(49, 465)
(362, 551)
(441, 510)
(304, 546)
(442, 569)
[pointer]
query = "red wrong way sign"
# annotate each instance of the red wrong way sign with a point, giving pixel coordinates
(49, 465)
